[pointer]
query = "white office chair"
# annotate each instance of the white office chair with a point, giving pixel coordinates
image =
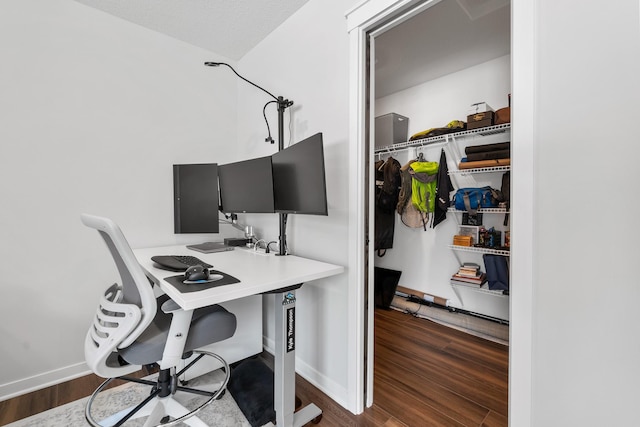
(128, 332)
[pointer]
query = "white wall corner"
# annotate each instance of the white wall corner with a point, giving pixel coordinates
(371, 10)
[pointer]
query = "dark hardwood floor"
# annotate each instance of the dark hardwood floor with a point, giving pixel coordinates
(425, 375)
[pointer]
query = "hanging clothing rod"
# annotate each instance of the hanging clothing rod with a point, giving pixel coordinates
(392, 149)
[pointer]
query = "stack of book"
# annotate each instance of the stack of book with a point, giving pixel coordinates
(469, 273)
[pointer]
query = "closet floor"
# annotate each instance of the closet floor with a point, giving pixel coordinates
(430, 374)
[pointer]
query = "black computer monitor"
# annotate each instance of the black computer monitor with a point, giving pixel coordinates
(195, 198)
(299, 178)
(246, 186)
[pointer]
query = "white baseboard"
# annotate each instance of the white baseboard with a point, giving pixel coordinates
(47, 379)
(40, 381)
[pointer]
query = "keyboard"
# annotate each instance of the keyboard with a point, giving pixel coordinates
(178, 262)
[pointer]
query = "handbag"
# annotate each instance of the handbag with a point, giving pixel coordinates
(471, 199)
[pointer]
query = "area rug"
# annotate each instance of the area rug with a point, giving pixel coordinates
(224, 412)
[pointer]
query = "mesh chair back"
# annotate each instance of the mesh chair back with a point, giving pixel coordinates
(125, 309)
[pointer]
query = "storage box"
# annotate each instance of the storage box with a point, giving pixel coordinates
(390, 129)
(462, 240)
(480, 120)
(479, 107)
(503, 115)
(470, 230)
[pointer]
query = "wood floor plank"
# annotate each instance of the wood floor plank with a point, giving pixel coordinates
(460, 365)
(408, 407)
(28, 404)
(332, 413)
(376, 417)
(77, 389)
(431, 395)
(450, 362)
(394, 423)
(390, 329)
(495, 420)
(496, 361)
(417, 327)
(481, 392)
(435, 328)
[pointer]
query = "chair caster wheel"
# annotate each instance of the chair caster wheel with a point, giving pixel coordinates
(317, 419)
(222, 394)
(165, 419)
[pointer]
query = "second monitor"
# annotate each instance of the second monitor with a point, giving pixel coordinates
(246, 186)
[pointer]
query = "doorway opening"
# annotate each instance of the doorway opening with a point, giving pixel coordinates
(428, 63)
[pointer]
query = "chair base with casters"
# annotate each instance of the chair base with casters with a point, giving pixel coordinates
(160, 405)
(134, 328)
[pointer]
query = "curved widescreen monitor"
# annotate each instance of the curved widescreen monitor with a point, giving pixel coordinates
(299, 178)
(246, 186)
(195, 198)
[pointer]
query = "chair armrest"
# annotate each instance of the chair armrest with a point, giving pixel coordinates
(170, 306)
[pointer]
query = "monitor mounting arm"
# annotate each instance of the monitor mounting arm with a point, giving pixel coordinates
(283, 104)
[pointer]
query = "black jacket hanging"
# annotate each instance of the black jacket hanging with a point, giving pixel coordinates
(444, 187)
(387, 190)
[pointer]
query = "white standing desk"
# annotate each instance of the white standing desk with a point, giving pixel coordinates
(258, 273)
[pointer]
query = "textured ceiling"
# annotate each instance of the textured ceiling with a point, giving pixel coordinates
(450, 36)
(226, 27)
(443, 39)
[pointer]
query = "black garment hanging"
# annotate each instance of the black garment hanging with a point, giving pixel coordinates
(387, 190)
(444, 187)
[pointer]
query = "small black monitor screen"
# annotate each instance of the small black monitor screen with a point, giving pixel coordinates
(195, 198)
(247, 186)
(299, 178)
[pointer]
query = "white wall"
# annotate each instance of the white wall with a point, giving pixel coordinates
(586, 323)
(306, 60)
(436, 102)
(423, 256)
(93, 112)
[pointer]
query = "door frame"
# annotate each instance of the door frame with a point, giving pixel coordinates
(365, 18)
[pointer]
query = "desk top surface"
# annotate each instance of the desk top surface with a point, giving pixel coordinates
(257, 272)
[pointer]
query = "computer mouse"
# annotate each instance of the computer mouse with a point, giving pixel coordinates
(195, 273)
(213, 277)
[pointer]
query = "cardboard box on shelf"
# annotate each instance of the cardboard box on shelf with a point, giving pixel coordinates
(462, 240)
(479, 107)
(480, 120)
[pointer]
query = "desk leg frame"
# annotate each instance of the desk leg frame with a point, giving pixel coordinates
(284, 365)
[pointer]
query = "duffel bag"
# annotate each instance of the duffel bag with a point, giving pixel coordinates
(470, 199)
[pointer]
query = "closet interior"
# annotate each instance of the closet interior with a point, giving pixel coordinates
(442, 84)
